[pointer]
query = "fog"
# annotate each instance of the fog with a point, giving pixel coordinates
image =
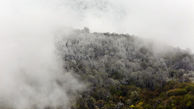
(30, 67)
(31, 72)
(168, 21)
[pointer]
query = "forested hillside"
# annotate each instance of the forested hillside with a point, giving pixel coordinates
(125, 72)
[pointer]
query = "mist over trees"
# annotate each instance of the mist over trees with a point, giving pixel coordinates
(111, 62)
(121, 58)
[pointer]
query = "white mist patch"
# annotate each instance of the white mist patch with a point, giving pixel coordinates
(31, 72)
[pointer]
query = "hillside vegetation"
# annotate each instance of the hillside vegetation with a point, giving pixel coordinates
(124, 72)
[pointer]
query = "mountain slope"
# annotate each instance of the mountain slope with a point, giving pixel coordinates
(120, 69)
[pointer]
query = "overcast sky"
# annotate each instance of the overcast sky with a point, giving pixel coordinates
(170, 21)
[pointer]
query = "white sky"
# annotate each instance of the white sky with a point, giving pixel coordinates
(170, 21)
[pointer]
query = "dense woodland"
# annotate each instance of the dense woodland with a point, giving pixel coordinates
(125, 72)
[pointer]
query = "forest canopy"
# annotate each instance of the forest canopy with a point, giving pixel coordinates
(123, 71)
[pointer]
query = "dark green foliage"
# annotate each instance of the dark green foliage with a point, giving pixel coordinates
(176, 92)
(132, 97)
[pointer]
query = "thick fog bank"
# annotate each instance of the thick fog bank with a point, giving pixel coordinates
(31, 72)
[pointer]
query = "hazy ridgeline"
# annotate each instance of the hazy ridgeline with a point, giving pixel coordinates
(111, 58)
